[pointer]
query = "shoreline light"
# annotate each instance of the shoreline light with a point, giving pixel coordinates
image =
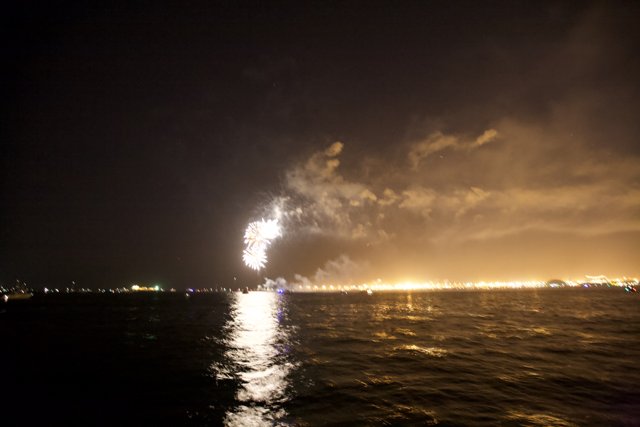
(380, 286)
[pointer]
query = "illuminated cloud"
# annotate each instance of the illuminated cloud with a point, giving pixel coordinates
(487, 136)
(334, 149)
(493, 194)
(438, 142)
(536, 180)
(339, 271)
(329, 201)
(554, 177)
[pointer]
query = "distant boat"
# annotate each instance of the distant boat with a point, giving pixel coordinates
(16, 296)
(20, 291)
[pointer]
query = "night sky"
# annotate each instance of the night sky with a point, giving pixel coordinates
(407, 140)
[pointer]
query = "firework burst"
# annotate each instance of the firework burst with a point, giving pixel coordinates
(255, 257)
(261, 232)
(257, 238)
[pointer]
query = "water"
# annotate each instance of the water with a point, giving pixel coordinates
(536, 357)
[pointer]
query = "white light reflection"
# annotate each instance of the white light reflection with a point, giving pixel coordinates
(260, 367)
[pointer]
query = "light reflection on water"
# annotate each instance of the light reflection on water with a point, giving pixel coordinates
(536, 358)
(255, 345)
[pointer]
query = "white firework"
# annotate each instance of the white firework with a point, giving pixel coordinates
(261, 232)
(258, 237)
(252, 234)
(270, 229)
(255, 257)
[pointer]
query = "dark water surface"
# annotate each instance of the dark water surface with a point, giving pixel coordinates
(541, 357)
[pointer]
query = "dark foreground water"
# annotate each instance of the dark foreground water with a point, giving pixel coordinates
(545, 357)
